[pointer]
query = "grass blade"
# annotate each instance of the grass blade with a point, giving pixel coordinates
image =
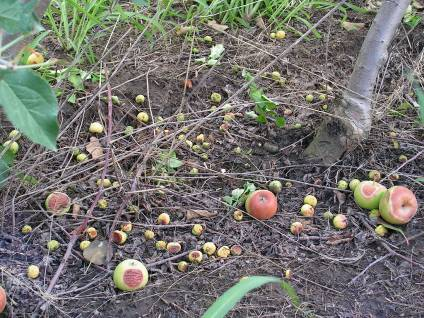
(232, 296)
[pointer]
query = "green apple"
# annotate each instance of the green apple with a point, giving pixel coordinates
(398, 205)
(130, 275)
(368, 194)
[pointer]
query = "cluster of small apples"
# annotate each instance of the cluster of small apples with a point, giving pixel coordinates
(12, 144)
(200, 145)
(276, 77)
(278, 35)
(339, 221)
(397, 205)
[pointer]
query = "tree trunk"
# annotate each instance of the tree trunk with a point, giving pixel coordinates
(335, 136)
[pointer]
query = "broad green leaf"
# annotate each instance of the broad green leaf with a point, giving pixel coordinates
(174, 163)
(419, 92)
(420, 180)
(232, 296)
(6, 162)
(227, 199)
(17, 17)
(76, 81)
(236, 193)
(249, 187)
(30, 104)
(280, 122)
(216, 51)
(27, 179)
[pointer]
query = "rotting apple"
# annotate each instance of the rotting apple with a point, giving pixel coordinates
(398, 205)
(3, 299)
(35, 58)
(261, 204)
(130, 275)
(236, 250)
(238, 215)
(374, 175)
(143, 117)
(296, 228)
(197, 230)
(368, 194)
(161, 245)
(195, 257)
(173, 247)
(164, 219)
(91, 232)
(119, 237)
(340, 221)
(182, 266)
(209, 248)
(58, 203)
(126, 227)
(84, 245)
(307, 210)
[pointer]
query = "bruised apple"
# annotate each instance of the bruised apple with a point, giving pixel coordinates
(130, 275)
(368, 194)
(261, 204)
(3, 299)
(398, 205)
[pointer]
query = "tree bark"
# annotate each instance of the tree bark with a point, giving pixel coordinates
(335, 136)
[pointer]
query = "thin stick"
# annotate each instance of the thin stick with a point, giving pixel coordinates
(382, 258)
(80, 229)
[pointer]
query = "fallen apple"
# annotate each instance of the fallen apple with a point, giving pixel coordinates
(296, 228)
(398, 205)
(143, 117)
(81, 157)
(139, 99)
(96, 128)
(130, 275)
(261, 204)
(342, 185)
(35, 58)
(58, 203)
(197, 230)
(209, 248)
(164, 219)
(276, 76)
(173, 247)
(381, 230)
(119, 237)
(26, 229)
(15, 134)
(353, 184)
(311, 200)
(223, 251)
(149, 235)
(161, 245)
(13, 146)
(238, 215)
(105, 182)
(91, 232)
(309, 98)
(3, 299)
(340, 221)
(216, 98)
(374, 214)
(275, 186)
(53, 245)
(328, 215)
(182, 266)
(102, 204)
(368, 194)
(33, 271)
(307, 210)
(126, 227)
(236, 250)
(374, 175)
(280, 35)
(84, 245)
(195, 257)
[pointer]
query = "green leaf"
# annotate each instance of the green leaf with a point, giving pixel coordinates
(232, 296)
(30, 104)
(143, 3)
(76, 81)
(6, 162)
(27, 179)
(249, 187)
(419, 92)
(174, 163)
(227, 199)
(261, 119)
(17, 17)
(280, 122)
(420, 180)
(216, 51)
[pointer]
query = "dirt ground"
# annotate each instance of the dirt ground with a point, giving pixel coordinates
(349, 273)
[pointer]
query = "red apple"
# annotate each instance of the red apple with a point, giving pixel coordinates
(3, 299)
(398, 205)
(368, 194)
(261, 204)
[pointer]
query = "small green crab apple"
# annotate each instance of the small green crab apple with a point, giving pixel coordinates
(296, 228)
(311, 200)
(342, 185)
(130, 275)
(353, 184)
(139, 99)
(280, 35)
(13, 146)
(309, 98)
(96, 128)
(216, 97)
(209, 248)
(275, 186)
(368, 194)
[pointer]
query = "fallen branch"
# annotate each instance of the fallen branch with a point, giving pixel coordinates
(80, 229)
